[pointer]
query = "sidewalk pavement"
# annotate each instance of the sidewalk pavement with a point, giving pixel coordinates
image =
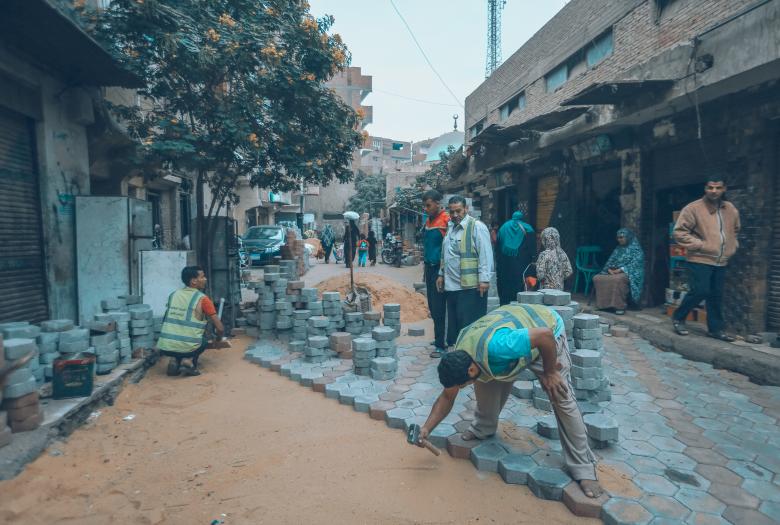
(696, 444)
(760, 362)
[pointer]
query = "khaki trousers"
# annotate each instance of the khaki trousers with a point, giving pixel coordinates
(492, 396)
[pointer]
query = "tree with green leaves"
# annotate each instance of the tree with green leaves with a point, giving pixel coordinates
(370, 193)
(233, 88)
(434, 178)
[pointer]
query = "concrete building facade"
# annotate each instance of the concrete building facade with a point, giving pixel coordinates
(49, 81)
(617, 111)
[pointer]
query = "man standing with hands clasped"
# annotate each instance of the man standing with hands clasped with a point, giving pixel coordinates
(707, 228)
(466, 267)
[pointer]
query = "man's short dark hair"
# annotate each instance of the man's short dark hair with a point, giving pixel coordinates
(715, 178)
(189, 273)
(433, 195)
(458, 199)
(454, 368)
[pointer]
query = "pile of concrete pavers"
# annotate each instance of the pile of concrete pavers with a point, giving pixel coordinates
(590, 384)
(375, 354)
(391, 316)
(20, 408)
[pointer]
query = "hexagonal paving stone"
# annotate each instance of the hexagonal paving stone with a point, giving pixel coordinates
(619, 511)
(747, 516)
(703, 518)
(639, 448)
(665, 507)
(396, 417)
(548, 458)
(749, 470)
(700, 501)
(736, 452)
(440, 434)
(764, 490)
(487, 455)
(458, 448)
(547, 427)
(411, 404)
(676, 460)
(771, 509)
(655, 484)
(647, 465)
(705, 456)
(731, 495)
(548, 483)
(514, 468)
(668, 444)
(719, 474)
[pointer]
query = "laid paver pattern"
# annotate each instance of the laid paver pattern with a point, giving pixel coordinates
(695, 444)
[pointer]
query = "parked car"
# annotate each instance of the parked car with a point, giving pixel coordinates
(263, 243)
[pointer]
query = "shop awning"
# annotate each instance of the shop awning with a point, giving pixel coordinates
(43, 31)
(617, 91)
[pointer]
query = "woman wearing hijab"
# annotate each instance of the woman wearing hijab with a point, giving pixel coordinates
(350, 242)
(514, 252)
(328, 239)
(623, 276)
(553, 266)
(372, 247)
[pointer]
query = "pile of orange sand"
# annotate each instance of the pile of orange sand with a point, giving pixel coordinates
(383, 290)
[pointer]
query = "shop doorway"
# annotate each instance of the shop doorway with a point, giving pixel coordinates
(505, 203)
(601, 208)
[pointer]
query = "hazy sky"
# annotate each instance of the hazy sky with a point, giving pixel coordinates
(453, 34)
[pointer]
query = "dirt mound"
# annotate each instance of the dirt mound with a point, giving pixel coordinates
(383, 290)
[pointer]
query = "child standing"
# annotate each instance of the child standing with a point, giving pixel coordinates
(552, 266)
(362, 250)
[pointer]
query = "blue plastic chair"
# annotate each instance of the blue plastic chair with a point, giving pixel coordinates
(586, 264)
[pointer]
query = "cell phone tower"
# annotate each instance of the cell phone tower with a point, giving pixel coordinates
(495, 7)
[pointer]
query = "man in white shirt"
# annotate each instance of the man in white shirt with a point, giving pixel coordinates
(466, 267)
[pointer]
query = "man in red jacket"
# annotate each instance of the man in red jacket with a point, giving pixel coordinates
(707, 228)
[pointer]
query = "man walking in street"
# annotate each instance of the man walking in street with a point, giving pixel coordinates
(491, 353)
(466, 268)
(184, 325)
(434, 232)
(707, 229)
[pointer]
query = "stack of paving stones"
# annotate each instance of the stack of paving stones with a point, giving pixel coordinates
(333, 309)
(391, 316)
(73, 342)
(300, 325)
(48, 343)
(266, 303)
(591, 386)
(294, 292)
(284, 313)
(493, 303)
(363, 352)
(383, 368)
(141, 326)
(104, 344)
(371, 320)
(289, 270)
(385, 365)
(27, 332)
(22, 412)
(317, 349)
(124, 342)
(353, 323)
(341, 344)
(317, 326)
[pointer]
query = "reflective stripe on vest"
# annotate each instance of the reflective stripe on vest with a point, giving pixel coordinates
(469, 259)
(475, 338)
(181, 330)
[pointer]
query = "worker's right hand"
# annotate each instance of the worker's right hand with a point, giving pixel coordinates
(440, 283)
(424, 433)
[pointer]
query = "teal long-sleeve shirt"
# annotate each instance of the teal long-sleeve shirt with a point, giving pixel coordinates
(508, 345)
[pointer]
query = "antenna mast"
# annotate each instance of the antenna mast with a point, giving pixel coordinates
(495, 7)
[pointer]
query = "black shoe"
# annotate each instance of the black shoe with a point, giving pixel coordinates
(438, 353)
(189, 371)
(679, 327)
(174, 367)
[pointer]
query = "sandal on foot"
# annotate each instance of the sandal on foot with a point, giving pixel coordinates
(189, 371)
(620, 312)
(471, 436)
(437, 353)
(723, 336)
(679, 328)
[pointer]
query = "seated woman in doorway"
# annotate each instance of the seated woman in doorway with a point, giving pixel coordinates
(623, 274)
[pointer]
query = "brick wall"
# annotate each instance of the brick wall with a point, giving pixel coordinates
(638, 33)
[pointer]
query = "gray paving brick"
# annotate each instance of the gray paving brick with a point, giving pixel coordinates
(555, 297)
(618, 511)
(548, 483)
(530, 298)
(547, 427)
(487, 455)
(440, 434)
(523, 389)
(586, 321)
(601, 427)
(396, 417)
(18, 348)
(586, 358)
(514, 468)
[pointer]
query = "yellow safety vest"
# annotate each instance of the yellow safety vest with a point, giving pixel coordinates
(475, 338)
(182, 331)
(469, 258)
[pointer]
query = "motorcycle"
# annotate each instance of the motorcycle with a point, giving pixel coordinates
(392, 251)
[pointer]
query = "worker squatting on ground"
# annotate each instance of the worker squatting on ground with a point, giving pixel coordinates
(188, 312)
(491, 352)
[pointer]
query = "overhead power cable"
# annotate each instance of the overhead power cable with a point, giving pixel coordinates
(425, 56)
(414, 99)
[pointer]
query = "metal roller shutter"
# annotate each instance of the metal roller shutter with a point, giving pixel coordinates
(22, 283)
(773, 297)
